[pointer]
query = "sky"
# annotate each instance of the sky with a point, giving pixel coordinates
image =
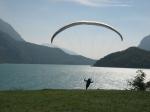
(37, 20)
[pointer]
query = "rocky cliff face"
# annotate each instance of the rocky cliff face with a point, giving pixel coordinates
(145, 43)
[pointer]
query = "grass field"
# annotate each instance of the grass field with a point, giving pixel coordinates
(74, 101)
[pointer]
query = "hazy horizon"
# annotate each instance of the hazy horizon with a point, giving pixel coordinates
(36, 21)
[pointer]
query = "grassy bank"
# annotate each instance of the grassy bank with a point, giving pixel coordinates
(74, 101)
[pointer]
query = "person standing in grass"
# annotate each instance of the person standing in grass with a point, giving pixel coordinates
(88, 82)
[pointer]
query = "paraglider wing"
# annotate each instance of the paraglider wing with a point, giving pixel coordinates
(86, 23)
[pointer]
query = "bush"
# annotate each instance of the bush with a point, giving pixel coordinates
(138, 82)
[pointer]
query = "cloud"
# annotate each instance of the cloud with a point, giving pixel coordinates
(101, 3)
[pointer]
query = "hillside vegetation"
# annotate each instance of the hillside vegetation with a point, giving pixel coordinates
(132, 57)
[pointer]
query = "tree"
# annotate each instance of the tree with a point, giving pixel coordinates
(138, 82)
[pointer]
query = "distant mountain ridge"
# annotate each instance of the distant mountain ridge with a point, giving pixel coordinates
(65, 50)
(7, 28)
(145, 43)
(130, 58)
(12, 51)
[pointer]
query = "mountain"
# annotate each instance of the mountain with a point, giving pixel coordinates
(7, 28)
(145, 43)
(64, 49)
(130, 58)
(13, 51)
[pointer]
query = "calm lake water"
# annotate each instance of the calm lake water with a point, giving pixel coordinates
(32, 76)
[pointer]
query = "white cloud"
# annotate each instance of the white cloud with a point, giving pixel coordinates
(101, 3)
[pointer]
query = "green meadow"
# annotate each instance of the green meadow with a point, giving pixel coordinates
(74, 101)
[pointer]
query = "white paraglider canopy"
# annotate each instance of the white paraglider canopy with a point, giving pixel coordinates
(86, 23)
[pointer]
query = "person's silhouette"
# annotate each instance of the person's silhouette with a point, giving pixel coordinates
(88, 82)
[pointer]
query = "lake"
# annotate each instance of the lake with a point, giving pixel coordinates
(36, 76)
